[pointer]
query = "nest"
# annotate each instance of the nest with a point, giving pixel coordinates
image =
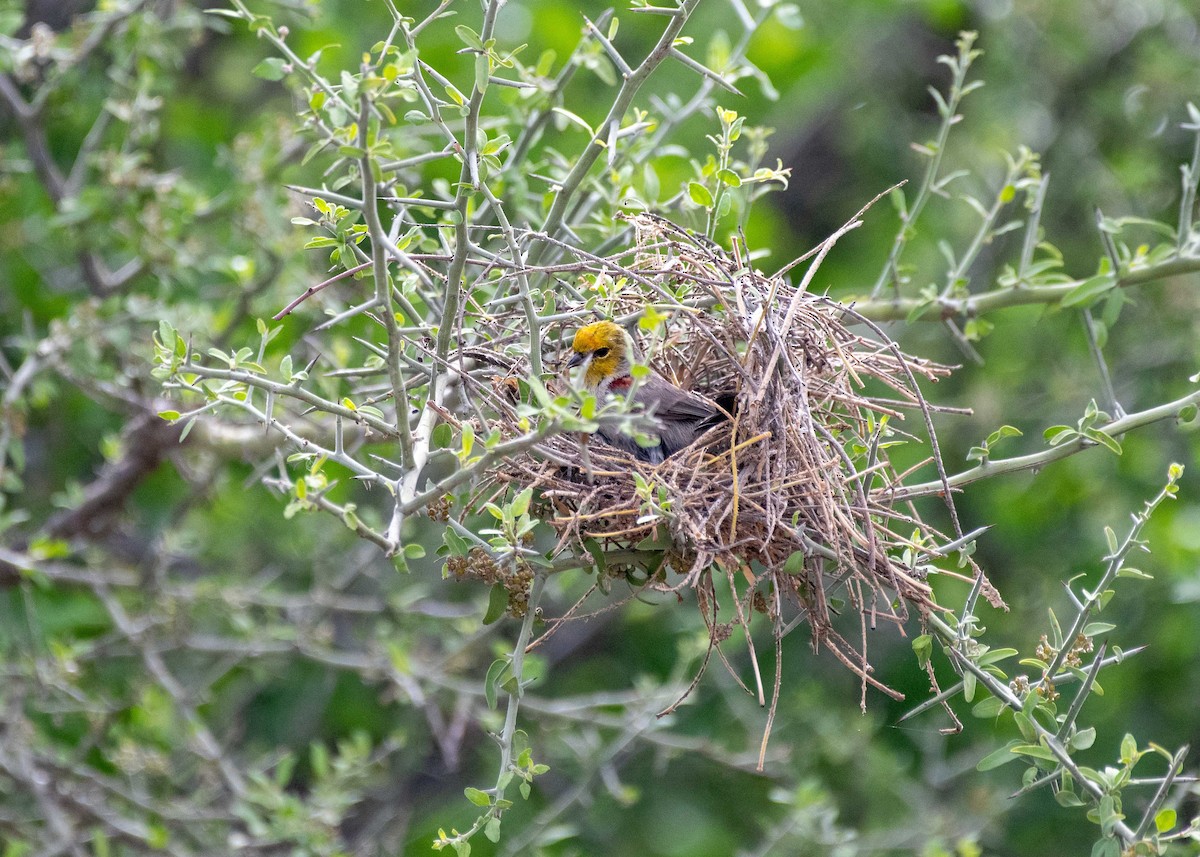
(792, 502)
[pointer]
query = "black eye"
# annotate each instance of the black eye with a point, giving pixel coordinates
(601, 353)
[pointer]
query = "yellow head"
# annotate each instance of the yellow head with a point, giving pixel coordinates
(603, 347)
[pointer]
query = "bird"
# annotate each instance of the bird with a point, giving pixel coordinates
(606, 351)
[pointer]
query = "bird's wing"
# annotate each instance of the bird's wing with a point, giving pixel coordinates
(682, 417)
(671, 404)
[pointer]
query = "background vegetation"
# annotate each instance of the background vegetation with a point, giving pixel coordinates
(195, 662)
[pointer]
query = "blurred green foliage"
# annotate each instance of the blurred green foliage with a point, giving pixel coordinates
(354, 729)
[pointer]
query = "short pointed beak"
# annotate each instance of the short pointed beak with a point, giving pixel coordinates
(576, 360)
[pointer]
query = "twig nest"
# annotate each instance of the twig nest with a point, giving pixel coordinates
(791, 498)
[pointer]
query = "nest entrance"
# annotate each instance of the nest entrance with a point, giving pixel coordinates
(792, 500)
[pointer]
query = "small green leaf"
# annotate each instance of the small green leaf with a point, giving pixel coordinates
(520, 504)
(169, 416)
(995, 656)
(1090, 289)
(1025, 724)
(470, 37)
(996, 758)
(700, 194)
(1095, 629)
(414, 551)
(988, 708)
(1057, 434)
(794, 564)
(1104, 439)
(1067, 798)
(497, 604)
(167, 335)
(1128, 748)
(272, 68)
(729, 177)
(468, 440)
(477, 797)
(1136, 573)
(1108, 814)
(1164, 820)
(495, 674)
(922, 646)
(1084, 738)
(1037, 751)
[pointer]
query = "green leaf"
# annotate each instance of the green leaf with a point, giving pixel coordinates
(1037, 751)
(470, 37)
(169, 416)
(187, 429)
(1104, 439)
(700, 194)
(1057, 434)
(995, 656)
(495, 674)
(272, 68)
(468, 440)
(996, 758)
(520, 504)
(1067, 798)
(987, 708)
(1025, 724)
(922, 646)
(483, 71)
(1090, 289)
(477, 797)
(1136, 573)
(1108, 814)
(497, 604)
(1095, 629)
(1083, 739)
(492, 829)
(729, 177)
(1128, 748)
(794, 564)
(167, 335)
(1164, 820)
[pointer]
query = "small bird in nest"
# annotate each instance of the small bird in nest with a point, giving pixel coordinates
(607, 353)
